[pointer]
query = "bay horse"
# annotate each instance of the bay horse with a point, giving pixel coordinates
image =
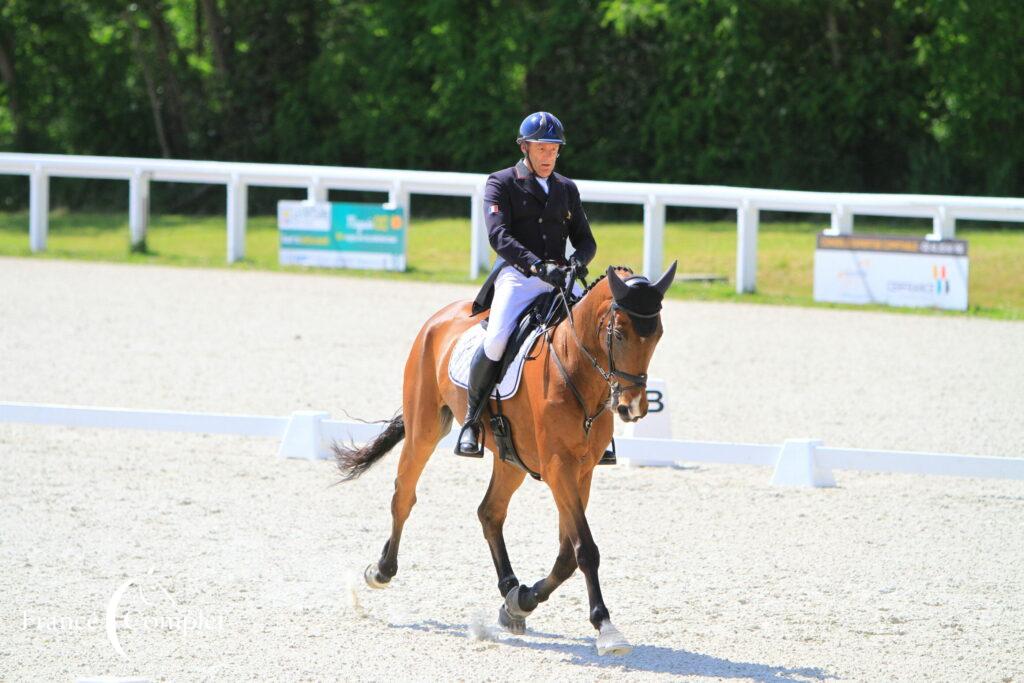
(591, 363)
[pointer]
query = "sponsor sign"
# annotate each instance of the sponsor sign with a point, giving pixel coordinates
(892, 270)
(329, 235)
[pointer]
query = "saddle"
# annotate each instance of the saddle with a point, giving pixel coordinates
(543, 312)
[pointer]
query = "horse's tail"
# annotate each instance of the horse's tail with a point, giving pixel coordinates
(354, 461)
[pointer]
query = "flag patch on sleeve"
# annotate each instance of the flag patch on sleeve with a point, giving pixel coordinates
(493, 208)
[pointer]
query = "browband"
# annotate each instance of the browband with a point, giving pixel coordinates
(617, 306)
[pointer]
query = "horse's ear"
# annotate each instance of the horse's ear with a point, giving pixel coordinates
(665, 282)
(619, 288)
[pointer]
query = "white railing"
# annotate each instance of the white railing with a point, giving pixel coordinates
(308, 434)
(654, 197)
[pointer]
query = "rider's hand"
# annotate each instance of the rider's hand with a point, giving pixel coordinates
(552, 274)
(581, 268)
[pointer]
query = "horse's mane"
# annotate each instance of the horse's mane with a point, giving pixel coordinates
(602, 277)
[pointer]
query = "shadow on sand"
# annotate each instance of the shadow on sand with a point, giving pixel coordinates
(650, 658)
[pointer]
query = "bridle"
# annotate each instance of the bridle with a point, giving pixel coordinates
(613, 375)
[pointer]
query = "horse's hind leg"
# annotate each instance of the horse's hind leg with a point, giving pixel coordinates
(423, 431)
(493, 509)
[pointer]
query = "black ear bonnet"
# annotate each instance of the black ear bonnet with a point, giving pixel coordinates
(642, 303)
(640, 299)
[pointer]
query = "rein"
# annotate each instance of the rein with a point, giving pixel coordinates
(612, 375)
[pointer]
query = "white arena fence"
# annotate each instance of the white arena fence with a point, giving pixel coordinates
(944, 211)
(308, 434)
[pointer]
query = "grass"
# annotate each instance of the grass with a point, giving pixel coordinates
(439, 252)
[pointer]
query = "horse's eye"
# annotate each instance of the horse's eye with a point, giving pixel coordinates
(619, 334)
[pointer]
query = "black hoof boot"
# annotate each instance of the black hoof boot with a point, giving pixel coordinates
(482, 373)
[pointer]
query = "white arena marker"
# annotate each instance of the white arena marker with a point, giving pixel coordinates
(303, 437)
(113, 679)
(797, 465)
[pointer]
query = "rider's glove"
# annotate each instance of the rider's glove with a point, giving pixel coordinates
(552, 274)
(581, 268)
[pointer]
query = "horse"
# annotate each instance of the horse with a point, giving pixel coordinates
(591, 363)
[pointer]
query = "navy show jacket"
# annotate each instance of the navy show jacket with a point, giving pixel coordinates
(525, 224)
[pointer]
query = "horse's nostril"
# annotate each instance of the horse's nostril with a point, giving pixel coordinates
(624, 412)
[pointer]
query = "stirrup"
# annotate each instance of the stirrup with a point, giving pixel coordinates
(478, 452)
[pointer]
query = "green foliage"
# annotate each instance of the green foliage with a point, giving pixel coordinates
(856, 95)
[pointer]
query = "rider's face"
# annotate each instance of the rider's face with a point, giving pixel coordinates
(542, 156)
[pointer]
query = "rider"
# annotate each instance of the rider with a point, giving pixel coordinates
(530, 211)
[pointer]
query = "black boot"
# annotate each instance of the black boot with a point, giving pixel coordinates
(482, 373)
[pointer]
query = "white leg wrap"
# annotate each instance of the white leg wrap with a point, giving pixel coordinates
(610, 641)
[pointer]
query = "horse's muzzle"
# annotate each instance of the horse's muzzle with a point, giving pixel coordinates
(633, 410)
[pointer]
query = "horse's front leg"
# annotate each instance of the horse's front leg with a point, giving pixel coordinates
(565, 563)
(522, 600)
(567, 487)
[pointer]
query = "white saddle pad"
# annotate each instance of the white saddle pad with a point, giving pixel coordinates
(462, 357)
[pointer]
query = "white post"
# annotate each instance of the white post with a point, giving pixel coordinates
(238, 208)
(842, 221)
(797, 465)
(399, 196)
(479, 246)
(943, 225)
(38, 209)
(304, 438)
(654, 237)
(138, 207)
(316, 192)
(746, 248)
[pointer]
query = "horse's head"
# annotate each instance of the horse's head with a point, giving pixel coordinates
(630, 329)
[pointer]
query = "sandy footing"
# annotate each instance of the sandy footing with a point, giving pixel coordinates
(223, 562)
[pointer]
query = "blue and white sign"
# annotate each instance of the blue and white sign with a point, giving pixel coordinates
(329, 235)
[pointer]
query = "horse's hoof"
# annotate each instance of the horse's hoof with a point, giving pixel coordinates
(514, 625)
(373, 577)
(510, 615)
(611, 642)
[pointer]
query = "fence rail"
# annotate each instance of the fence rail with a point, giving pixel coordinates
(308, 434)
(237, 177)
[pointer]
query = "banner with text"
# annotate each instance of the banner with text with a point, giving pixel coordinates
(324, 234)
(891, 269)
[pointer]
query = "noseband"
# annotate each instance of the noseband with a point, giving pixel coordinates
(638, 381)
(613, 375)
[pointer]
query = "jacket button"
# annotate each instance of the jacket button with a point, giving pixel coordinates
(540, 220)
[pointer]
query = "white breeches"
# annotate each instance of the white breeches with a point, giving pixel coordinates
(513, 292)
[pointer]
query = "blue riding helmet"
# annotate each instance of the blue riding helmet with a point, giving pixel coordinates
(541, 126)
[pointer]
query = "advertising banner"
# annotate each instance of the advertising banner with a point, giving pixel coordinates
(330, 235)
(890, 269)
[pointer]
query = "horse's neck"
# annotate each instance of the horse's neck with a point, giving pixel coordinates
(580, 369)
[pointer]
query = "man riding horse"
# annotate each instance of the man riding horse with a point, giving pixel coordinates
(590, 366)
(530, 211)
